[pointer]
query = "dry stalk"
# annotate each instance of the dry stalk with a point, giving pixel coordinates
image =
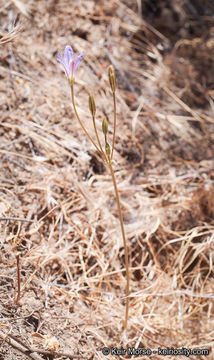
(18, 280)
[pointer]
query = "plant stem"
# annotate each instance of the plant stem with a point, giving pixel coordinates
(98, 139)
(114, 130)
(18, 280)
(81, 124)
(124, 242)
(107, 160)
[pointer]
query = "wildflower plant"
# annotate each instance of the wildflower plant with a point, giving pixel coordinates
(70, 66)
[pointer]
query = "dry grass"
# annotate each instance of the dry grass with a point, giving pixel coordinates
(70, 247)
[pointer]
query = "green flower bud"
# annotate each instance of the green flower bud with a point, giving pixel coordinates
(105, 126)
(92, 106)
(107, 149)
(112, 78)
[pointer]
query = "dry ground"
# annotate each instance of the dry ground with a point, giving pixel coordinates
(70, 248)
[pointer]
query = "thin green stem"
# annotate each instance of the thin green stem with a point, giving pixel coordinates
(124, 243)
(81, 124)
(114, 130)
(97, 136)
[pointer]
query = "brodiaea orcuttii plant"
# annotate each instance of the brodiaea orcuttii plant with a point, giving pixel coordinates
(70, 66)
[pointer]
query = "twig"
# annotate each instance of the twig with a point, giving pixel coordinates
(10, 36)
(18, 279)
(24, 349)
(56, 353)
(15, 219)
(31, 352)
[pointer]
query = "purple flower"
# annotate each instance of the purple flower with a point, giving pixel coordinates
(69, 64)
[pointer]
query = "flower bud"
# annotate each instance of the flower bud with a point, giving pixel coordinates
(107, 149)
(92, 106)
(112, 78)
(105, 126)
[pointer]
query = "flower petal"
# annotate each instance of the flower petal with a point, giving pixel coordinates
(59, 58)
(68, 55)
(78, 61)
